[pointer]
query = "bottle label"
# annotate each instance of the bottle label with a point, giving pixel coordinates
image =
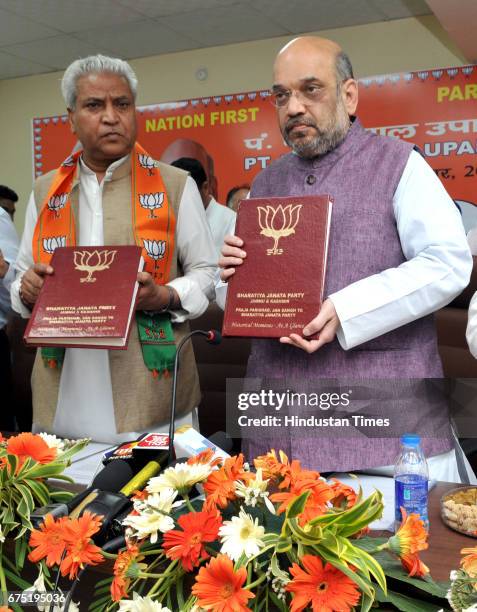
(411, 492)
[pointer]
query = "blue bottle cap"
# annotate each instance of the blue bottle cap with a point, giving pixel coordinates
(411, 439)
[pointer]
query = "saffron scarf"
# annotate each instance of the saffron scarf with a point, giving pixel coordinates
(153, 223)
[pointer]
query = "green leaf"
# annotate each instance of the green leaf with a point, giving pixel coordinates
(276, 571)
(298, 505)
(279, 603)
(17, 581)
(40, 491)
(363, 583)
(366, 603)
(20, 552)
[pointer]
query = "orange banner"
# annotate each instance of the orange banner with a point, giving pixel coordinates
(434, 109)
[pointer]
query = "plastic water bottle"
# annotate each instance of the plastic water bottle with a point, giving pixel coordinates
(411, 480)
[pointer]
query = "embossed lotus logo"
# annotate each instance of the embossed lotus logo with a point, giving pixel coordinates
(93, 261)
(147, 162)
(277, 223)
(50, 244)
(57, 202)
(151, 201)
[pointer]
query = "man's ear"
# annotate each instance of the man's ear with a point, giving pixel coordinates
(71, 120)
(349, 94)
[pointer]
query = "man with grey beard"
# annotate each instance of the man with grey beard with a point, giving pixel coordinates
(397, 253)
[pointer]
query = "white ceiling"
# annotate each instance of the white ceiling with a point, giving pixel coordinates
(38, 36)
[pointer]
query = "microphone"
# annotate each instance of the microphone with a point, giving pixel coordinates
(213, 337)
(111, 478)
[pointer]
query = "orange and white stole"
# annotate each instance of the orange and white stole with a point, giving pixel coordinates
(153, 223)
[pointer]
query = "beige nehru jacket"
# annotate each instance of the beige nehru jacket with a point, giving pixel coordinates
(140, 400)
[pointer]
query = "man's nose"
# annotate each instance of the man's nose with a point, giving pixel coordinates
(110, 114)
(295, 105)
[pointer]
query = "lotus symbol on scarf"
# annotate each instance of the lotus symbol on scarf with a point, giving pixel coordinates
(147, 162)
(50, 244)
(57, 202)
(156, 250)
(278, 223)
(93, 261)
(151, 201)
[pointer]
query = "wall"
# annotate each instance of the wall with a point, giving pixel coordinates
(393, 46)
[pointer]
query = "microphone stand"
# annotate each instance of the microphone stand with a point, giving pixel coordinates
(213, 337)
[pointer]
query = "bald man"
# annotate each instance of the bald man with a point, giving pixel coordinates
(397, 253)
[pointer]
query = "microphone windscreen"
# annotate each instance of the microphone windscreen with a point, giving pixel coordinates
(113, 476)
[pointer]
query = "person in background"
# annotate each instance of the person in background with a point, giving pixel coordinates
(397, 253)
(221, 219)
(8, 253)
(8, 199)
(236, 194)
(112, 396)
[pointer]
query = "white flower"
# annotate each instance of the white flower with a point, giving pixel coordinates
(181, 477)
(472, 608)
(255, 491)
(240, 535)
(2, 537)
(148, 524)
(453, 575)
(153, 516)
(141, 604)
(53, 441)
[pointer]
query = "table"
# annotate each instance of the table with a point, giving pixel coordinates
(445, 544)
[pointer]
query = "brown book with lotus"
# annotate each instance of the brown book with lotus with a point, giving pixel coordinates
(279, 287)
(89, 300)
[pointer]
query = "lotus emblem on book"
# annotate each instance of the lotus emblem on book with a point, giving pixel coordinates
(151, 201)
(278, 223)
(147, 162)
(93, 261)
(50, 244)
(57, 202)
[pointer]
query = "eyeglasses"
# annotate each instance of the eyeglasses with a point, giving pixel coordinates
(307, 96)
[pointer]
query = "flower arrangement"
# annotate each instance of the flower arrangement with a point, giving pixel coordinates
(276, 538)
(27, 461)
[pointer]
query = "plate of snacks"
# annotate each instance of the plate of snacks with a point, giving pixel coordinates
(459, 510)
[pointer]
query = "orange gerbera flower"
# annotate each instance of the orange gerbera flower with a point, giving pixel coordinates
(121, 581)
(325, 587)
(48, 541)
(469, 562)
(272, 468)
(188, 544)
(80, 551)
(30, 445)
(320, 494)
(219, 588)
(411, 537)
(344, 496)
(414, 566)
(5, 609)
(206, 456)
(220, 484)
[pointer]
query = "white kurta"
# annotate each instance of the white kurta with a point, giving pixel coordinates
(221, 220)
(9, 247)
(85, 401)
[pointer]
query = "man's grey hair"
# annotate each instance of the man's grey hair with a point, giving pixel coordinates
(344, 69)
(94, 64)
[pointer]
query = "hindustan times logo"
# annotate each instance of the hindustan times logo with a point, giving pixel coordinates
(277, 400)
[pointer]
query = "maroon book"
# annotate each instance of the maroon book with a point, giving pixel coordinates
(89, 300)
(279, 287)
